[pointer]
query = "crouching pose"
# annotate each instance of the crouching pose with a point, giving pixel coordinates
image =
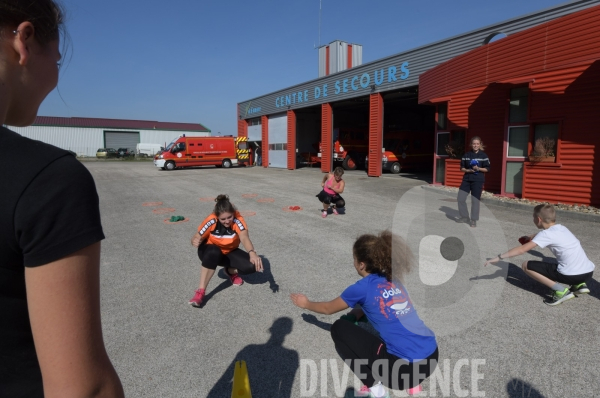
(218, 239)
(406, 353)
(333, 186)
(567, 278)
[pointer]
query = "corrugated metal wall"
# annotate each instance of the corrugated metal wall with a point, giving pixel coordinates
(242, 128)
(564, 90)
(571, 39)
(570, 96)
(420, 60)
(291, 140)
(452, 175)
(86, 141)
(375, 134)
(326, 137)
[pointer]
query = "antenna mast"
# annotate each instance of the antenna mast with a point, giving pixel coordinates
(320, 23)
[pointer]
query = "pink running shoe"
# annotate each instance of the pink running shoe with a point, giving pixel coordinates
(235, 279)
(414, 390)
(324, 213)
(335, 211)
(363, 392)
(197, 299)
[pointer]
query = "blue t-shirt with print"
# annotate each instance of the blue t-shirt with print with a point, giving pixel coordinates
(389, 308)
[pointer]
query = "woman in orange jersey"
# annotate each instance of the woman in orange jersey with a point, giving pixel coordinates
(218, 240)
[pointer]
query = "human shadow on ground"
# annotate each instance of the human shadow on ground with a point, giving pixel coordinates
(517, 388)
(271, 367)
(258, 278)
(451, 214)
(309, 318)
(224, 285)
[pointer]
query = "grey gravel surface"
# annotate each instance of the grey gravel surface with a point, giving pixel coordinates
(510, 344)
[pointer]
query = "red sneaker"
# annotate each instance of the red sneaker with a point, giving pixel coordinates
(324, 213)
(414, 390)
(335, 211)
(363, 392)
(197, 299)
(235, 279)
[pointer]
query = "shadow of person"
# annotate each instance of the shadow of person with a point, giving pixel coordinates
(520, 388)
(220, 288)
(310, 318)
(271, 367)
(258, 278)
(518, 278)
(594, 287)
(451, 214)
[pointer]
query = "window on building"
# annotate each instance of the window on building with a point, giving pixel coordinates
(518, 139)
(443, 138)
(546, 131)
(442, 119)
(514, 178)
(254, 121)
(519, 104)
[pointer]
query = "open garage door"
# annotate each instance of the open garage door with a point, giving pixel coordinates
(278, 140)
(121, 139)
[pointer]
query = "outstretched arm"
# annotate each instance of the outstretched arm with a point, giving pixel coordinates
(327, 307)
(63, 298)
(515, 251)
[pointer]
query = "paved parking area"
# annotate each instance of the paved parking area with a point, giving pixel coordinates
(495, 334)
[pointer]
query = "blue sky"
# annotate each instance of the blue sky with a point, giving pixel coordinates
(193, 60)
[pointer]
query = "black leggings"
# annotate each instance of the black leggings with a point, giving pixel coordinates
(355, 343)
(211, 256)
(336, 199)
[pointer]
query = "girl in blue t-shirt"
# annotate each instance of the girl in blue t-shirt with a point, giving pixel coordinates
(406, 348)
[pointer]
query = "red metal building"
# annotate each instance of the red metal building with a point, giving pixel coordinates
(540, 82)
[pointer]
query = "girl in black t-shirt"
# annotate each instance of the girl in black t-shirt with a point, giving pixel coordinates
(50, 332)
(474, 164)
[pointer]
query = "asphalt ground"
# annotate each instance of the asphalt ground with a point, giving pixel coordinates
(496, 336)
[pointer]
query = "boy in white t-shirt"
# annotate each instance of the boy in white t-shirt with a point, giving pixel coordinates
(568, 277)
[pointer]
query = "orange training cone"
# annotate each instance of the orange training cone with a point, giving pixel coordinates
(241, 381)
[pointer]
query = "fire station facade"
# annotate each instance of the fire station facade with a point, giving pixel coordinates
(531, 96)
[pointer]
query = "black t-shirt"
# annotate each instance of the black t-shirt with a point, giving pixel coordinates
(482, 161)
(48, 210)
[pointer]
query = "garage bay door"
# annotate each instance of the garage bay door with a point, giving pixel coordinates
(121, 139)
(278, 140)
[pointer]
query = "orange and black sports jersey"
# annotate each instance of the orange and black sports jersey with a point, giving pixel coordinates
(215, 233)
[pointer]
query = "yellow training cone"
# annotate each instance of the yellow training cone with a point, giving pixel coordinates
(241, 381)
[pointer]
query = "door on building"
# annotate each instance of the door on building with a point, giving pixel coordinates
(121, 139)
(278, 140)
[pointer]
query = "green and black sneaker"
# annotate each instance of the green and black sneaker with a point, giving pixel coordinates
(580, 289)
(559, 297)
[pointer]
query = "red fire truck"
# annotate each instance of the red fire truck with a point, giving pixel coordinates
(349, 149)
(203, 151)
(406, 150)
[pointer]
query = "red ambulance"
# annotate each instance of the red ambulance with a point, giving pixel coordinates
(203, 151)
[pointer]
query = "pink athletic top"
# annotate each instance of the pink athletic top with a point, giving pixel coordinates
(329, 184)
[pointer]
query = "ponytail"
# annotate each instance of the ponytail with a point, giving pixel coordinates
(386, 254)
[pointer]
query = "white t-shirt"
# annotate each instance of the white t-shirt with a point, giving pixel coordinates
(567, 249)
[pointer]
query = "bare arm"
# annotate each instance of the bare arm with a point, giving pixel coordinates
(254, 259)
(326, 307)
(515, 251)
(339, 189)
(63, 298)
(325, 178)
(196, 239)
